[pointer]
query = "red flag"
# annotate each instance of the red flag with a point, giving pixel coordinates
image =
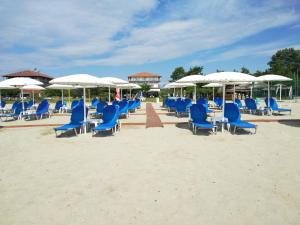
(118, 97)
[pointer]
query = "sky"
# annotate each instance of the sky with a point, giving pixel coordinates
(121, 37)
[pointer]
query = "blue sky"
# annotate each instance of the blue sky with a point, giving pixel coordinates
(121, 37)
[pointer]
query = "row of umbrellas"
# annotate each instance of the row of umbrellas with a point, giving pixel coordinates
(226, 78)
(68, 82)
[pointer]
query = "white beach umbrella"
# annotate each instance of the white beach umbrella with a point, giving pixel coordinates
(4, 87)
(20, 82)
(229, 78)
(61, 87)
(213, 85)
(115, 81)
(179, 85)
(32, 88)
(193, 79)
(84, 80)
(129, 86)
(272, 77)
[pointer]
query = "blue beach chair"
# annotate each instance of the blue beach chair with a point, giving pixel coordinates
(251, 106)
(204, 102)
(110, 119)
(99, 109)
(17, 112)
(77, 118)
(274, 106)
(42, 110)
(199, 118)
(180, 107)
(123, 108)
(219, 102)
(232, 113)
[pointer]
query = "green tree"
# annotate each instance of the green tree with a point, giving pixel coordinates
(218, 71)
(145, 87)
(285, 62)
(245, 70)
(195, 70)
(177, 74)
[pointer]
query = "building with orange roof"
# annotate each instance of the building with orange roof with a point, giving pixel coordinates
(145, 78)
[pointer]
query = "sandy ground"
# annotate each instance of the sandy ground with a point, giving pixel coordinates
(151, 176)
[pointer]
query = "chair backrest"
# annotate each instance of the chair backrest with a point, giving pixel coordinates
(131, 104)
(74, 103)
(218, 101)
(250, 104)
(2, 103)
(171, 103)
(30, 104)
(14, 105)
(188, 102)
(78, 114)
(232, 112)
(18, 108)
(123, 106)
(100, 106)
(43, 107)
(198, 113)
(238, 102)
(58, 105)
(95, 102)
(180, 105)
(273, 103)
(115, 102)
(110, 114)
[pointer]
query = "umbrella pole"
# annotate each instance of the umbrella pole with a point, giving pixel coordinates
(108, 94)
(174, 93)
(62, 100)
(213, 94)
(69, 96)
(280, 89)
(33, 97)
(22, 96)
(194, 97)
(180, 92)
(251, 91)
(223, 107)
(129, 93)
(84, 111)
(89, 90)
(121, 94)
(233, 93)
(269, 108)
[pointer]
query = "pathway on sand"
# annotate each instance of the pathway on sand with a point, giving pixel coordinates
(152, 119)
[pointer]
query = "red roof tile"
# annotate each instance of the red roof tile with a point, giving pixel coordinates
(144, 74)
(27, 73)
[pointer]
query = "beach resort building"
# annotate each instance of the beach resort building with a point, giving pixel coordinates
(145, 78)
(34, 74)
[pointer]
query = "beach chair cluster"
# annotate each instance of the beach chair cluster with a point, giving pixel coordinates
(109, 114)
(25, 110)
(181, 106)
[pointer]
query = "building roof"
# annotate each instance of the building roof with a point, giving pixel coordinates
(27, 73)
(144, 74)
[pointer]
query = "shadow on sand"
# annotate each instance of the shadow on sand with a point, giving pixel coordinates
(291, 123)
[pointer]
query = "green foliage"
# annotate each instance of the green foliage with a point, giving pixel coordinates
(285, 62)
(145, 87)
(195, 70)
(245, 70)
(177, 74)
(218, 71)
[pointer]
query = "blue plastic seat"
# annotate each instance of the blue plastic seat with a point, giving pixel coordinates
(42, 110)
(95, 101)
(199, 118)
(251, 106)
(180, 107)
(123, 108)
(239, 103)
(2, 104)
(59, 106)
(110, 119)
(74, 104)
(99, 109)
(232, 113)
(204, 102)
(77, 118)
(275, 107)
(138, 103)
(219, 102)
(132, 105)
(17, 111)
(171, 105)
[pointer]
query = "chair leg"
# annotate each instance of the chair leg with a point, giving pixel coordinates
(234, 130)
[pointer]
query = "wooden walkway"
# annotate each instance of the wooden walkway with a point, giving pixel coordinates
(153, 119)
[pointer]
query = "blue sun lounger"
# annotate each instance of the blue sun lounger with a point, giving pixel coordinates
(180, 107)
(42, 110)
(110, 119)
(274, 106)
(199, 118)
(251, 106)
(123, 108)
(76, 122)
(99, 109)
(204, 102)
(232, 113)
(17, 111)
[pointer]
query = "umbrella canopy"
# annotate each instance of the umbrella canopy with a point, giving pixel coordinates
(114, 80)
(229, 78)
(193, 79)
(32, 88)
(213, 85)
(129, 86)
(178, 85)
(20, 82)
(84, 80)
(272, 77)
(61, 87)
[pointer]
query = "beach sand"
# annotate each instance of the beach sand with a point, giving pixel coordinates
(151, 176)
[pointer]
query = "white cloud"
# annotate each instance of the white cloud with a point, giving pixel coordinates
(111, 32)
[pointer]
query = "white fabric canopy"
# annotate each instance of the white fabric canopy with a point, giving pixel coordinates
(20, 82)
(178, 85)
(193, 79)
(6, 87)
(32, 88)
(213, 85)
(84, 80)
(272, 77)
